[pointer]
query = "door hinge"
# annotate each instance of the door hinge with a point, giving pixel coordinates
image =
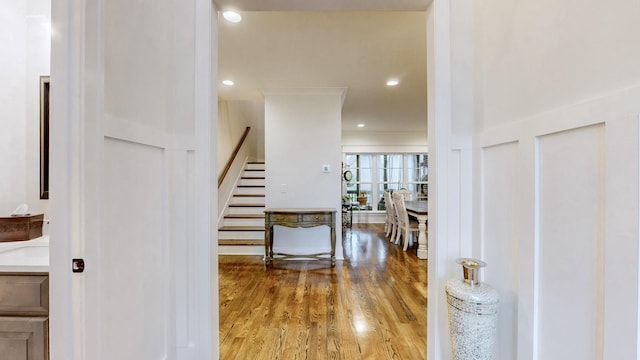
(77, 265)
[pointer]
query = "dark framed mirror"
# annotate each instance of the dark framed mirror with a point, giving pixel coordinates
(44, 137)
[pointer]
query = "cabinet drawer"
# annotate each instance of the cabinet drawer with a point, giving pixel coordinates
(24, 295)
(317, 218)
(284, 218)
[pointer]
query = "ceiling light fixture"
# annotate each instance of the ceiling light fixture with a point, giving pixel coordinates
(227, 82)
(232, 16)
(360, 125)
(392, 82)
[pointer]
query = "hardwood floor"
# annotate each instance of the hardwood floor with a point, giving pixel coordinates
(372, 305)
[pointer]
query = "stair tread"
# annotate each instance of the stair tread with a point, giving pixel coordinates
(252, 177)
(241, 228)
(244, 216)
(249, 195)
(251, 186)
(246, 205)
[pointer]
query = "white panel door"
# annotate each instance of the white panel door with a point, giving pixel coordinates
(132, 161)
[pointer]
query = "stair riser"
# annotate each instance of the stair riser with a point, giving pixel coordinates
(240, 235)
(243, 222)
(246, 210)
(254, 173)
(255, 166)
(248, 200)
(240, 250)
(252, 190)
(252, 182)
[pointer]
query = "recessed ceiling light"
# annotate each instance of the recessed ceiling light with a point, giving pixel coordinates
(232, 16)
(392, 82)
(227, 82)
(360, 125)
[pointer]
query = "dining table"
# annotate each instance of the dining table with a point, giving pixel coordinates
(419, 209)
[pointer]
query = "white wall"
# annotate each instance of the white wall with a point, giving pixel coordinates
(556, 163)
(296, 161)
(542, 55)
(24, 57)
(372, 141)
(13, 53)
(234, 117)
(38, 64)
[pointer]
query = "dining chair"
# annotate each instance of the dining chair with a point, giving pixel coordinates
(406, 227)
(391, 223)
(406, 194)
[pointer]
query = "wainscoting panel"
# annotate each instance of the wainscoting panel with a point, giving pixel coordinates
(556, 217)
(455, 242)
(622, 238)
(182, 243)
(570, 240)
(133, 271)
(500, 236)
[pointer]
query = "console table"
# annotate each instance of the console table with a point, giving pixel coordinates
(298, 218)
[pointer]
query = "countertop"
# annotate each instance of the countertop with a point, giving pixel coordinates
(25, 256)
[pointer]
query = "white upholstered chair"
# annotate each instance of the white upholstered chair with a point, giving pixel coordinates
(391, 223)
(406, 227)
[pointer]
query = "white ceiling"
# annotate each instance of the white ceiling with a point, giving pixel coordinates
(359, 50)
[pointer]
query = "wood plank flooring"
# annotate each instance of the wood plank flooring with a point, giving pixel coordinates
(372, 305)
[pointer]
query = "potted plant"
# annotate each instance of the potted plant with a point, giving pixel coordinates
(362, 198)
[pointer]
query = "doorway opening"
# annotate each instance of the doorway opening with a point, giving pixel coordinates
(248, 56)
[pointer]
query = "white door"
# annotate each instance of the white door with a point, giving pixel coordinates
(131, 176)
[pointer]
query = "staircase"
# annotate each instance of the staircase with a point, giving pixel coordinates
(242, 228)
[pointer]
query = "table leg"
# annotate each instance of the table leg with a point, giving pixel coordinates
(268, 238)
(333, 246)
(422, 236)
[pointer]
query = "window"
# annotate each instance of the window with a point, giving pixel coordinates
(418, 181)
(359, 189)
(375, 173)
